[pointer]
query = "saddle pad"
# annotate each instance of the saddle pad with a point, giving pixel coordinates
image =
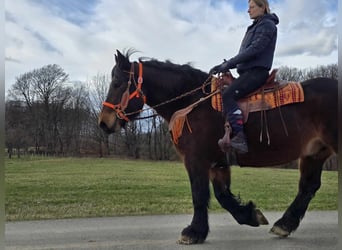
(177, 121)
(291, 92)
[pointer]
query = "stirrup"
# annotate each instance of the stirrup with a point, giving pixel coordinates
(224, 142)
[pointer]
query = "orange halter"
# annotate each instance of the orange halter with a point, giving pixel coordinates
(126, 97)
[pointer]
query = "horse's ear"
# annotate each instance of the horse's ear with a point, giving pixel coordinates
(121, 60)
(119, 56)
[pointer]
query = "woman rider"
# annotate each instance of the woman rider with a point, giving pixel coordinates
(253, 63)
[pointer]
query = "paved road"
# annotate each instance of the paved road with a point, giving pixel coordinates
(319, 230)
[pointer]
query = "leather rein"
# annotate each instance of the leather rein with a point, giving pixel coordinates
(138, 93)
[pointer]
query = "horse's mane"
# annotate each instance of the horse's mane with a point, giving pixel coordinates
(184, 69)
(169, 66)
(190, 77)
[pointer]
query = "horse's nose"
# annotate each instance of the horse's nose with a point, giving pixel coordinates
(104, 127)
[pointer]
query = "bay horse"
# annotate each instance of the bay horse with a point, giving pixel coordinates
(311, 137)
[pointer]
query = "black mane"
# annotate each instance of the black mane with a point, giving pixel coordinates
(189, 77)
(195, 77)
(176, 78)
(167, 65)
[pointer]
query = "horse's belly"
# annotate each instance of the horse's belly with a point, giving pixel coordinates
(267, 158)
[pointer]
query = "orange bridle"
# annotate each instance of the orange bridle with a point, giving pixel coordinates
(126, 96)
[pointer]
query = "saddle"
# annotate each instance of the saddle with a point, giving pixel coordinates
(271, 95)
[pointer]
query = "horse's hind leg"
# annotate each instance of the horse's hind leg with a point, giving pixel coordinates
(243, 214)
(310, 181)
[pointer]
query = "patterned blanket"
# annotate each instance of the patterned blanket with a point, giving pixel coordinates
(264, 99)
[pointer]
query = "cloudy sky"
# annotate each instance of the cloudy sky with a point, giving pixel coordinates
(82, 36)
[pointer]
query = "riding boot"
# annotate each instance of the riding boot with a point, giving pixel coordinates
(234, 126)
(238, 140)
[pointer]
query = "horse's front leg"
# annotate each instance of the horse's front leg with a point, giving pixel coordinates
(242, 213)
(198, 230)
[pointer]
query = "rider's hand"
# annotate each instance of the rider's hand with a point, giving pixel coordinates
(221, 68)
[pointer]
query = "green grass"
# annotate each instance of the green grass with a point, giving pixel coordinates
(44, 188)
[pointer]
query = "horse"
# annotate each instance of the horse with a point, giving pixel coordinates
(167, 88)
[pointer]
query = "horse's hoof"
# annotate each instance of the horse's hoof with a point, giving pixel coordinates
(279, 231)
(260, 217)
(186, 240)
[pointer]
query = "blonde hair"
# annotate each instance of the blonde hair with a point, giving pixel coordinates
(261, 4)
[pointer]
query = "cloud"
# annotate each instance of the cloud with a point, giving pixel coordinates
(44, 42)
(75, 11)
(38, 38)
(82, 36)
(307, 28)
(321, 43)
(178, 30)
(10, 59)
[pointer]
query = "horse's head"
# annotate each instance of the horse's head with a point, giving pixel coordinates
(125, 98)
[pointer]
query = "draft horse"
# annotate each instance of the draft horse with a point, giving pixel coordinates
(167, 87)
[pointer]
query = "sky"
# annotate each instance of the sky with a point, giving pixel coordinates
(82, 36)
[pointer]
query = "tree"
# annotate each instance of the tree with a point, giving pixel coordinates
(45, 95)
(290, 74)
(329, 71)
(133, 139)
(98, 88)
(17, 135)
(295, 74)
(48, 84)
(74, 119)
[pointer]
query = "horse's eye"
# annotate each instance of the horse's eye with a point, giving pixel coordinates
(116, 84)
(115, 81)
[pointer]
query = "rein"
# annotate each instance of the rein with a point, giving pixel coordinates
(126, 97)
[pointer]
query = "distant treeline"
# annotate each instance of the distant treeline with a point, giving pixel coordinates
(46, 114)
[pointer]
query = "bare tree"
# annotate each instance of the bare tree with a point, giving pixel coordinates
(295, 74)
(133, 139)
(17, 134)
(98, 88)
(329, 71)
(74, 117)
(48, 85)
(289, 74)
(45, 95)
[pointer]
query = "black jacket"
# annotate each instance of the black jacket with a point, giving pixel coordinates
(258, 45)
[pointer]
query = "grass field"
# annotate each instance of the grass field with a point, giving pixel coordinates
(44, 188)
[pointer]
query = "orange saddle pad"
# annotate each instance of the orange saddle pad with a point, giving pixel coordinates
(263, 99)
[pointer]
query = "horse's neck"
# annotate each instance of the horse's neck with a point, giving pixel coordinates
(160, 87)
(156, 96)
